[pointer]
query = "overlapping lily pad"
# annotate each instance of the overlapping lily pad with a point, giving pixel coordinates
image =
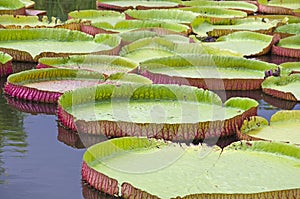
(170, 112)
(129, 166)
(104, 64)
(12, 7)
(207, 71)
(284, 7)
(289, 29)
(290, 67)
(122, 5)
(283, 127)
(21, 21)
(204, 27)
(233, 5)
(244, 42)
(129, 25)
(47, 85)
(157, 47)
(215, 14)
(31, 44)
(289, 47)
(5, 64)
(168, 15)
(285, 87)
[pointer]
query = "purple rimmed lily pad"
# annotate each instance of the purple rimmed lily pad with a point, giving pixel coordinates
(5, 64)
(104, 64)
(283, 127)
(207, 71)
(289, 47)
(284, 87)
(47, 85)
(281, 7)
(127, 167)
(121, 5)
(12, 7)
(31, 44)
(160, 111)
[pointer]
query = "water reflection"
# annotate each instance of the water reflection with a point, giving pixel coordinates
(12, 136)
(60, 9)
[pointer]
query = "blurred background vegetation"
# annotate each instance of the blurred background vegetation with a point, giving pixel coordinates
(61, 8)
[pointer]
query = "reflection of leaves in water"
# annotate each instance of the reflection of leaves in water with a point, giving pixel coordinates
(12, 136)
(59, 9)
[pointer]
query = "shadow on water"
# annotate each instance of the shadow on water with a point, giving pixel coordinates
(60, 9)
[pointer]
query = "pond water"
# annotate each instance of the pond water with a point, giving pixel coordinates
(39, 159)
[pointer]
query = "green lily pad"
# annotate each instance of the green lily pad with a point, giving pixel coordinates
(130, 166)
(47, 85)
(104, 64)
(128, 25)
(279, 6)
(158, 47)
(215, 13)
(5, 64)
(285, 87)
(290, 67)
(168, 15)
(207, 71)
(98, 16)
(161, 111)
(284, 127)
(283, 18)
(244, 42)
(31, 44)
(122, 5)
(234, 5)
(289, 47)
(293, 28)
(28, 3)
(12, 7)
(204, 27)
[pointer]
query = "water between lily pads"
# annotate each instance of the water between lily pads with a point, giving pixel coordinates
(38, 159)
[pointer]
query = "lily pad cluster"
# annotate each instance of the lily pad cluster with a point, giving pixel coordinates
(150, 71)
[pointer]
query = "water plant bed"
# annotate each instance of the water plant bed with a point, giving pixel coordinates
(283, 127)
(129, 166)
(207, 71)
(32, 44)
(47, 85)
(104, 64)
(5, 64)
(285, 87)
(170, 112)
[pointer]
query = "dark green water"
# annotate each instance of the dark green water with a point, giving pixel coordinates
(40, 160)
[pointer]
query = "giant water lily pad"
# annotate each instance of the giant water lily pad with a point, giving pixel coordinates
(20, 21)
(129, 25)
(157, 47)
(292, 29)
(289, 47)
(98, 15)
(168, 15)
(215, 14)
(290, 67)
(207, 71)
(12, 7)
(47, 85)
(234, 5)
(284, 127)
(285, 7)
(104, 64)
(204, 27)
(129, 166)
(163, 111)
(244, 42)
(285, 87)
(5, 64)
(31, 44)
(122, 5)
